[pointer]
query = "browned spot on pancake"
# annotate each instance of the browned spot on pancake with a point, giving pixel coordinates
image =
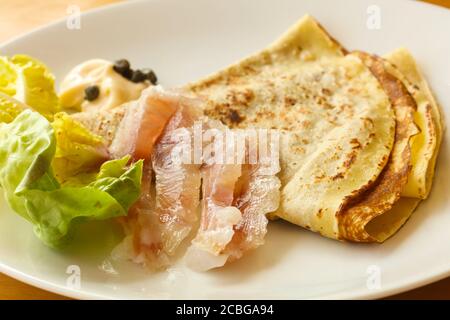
(340, 175)
(368, 121)
(306, 123)
(234, 116)
(430, 123)
(326, 91)
(350, 159)
(320, 213)
(241, 97)
(319, 177)
(289, 101)
(355, 144)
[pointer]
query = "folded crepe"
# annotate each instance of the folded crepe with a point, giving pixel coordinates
(358, 131)
(425, 145)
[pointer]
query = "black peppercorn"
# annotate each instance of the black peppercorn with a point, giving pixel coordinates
(91, 93)
(127, 74)
(138, 76)
(150, 76)
(122, 67)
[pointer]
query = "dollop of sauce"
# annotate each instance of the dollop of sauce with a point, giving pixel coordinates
(114, 89)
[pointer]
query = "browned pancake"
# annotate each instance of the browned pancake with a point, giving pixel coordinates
(361, 211)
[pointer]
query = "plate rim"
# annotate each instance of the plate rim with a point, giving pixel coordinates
(407, 284)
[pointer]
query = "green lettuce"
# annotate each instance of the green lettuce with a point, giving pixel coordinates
(9, 108)
(31, 82)
(78, 150)
(27, 149)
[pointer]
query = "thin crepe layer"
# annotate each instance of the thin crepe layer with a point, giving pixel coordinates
(379, 200)
(425, 146)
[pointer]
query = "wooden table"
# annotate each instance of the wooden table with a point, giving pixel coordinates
(20, 16)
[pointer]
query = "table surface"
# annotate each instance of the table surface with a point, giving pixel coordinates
(17, 17)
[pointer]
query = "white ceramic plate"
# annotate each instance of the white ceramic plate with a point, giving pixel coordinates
(184, 40)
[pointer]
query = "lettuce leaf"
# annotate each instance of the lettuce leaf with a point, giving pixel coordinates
(31, 82)
(27, 149)
(8, 77)
(117, 183)
(9, 108)
(78, 151)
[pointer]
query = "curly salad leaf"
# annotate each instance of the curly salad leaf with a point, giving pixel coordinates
(79, 152)
(9, 108)
(28, 80)
(27, 149)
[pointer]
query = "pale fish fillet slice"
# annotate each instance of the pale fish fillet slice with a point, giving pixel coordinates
(143, 123)
(142, 241)
(218, 216)
(157, 225)
(259, 195)
(231, 230)
(177, 181)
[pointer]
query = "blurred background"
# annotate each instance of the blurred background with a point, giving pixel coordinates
(19, 16)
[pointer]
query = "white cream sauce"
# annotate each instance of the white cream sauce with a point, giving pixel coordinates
(114, 88)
